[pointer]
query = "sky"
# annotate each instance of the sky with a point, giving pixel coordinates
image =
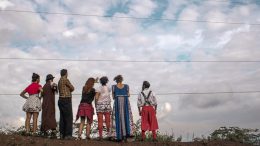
(200, 38)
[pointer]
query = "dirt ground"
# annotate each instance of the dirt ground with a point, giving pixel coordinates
(17, 140)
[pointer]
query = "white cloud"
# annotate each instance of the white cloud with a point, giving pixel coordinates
(5, 4)
(142, 8)
(68, 34)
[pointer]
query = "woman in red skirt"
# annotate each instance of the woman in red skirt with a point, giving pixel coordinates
(147, 106)
(86, 110)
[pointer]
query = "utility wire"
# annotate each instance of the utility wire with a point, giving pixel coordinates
(173, 93)
(133, 61)
(225, 1)
(128, 17)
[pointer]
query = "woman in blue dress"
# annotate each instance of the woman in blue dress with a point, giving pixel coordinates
(122, 118)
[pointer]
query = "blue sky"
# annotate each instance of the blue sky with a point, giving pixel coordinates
(29, 35)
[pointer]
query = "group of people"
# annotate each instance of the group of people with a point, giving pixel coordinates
(118, 120)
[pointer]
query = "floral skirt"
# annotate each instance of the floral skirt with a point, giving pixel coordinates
(103, 107)
(33, 104)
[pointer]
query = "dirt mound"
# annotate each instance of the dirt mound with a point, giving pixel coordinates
(17, 140)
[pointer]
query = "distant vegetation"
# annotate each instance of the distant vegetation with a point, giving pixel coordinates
(235, 134)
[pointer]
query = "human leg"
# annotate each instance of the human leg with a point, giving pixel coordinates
(35, 120)
(61, 123)
(27, 121)
(82, 122)
(88, 126)
(100, 124)
(107, 120)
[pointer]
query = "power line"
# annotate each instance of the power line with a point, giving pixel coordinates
(126, 17)
(225, 1)
(133, 61)
(172, 93)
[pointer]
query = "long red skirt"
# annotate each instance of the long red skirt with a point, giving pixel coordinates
(148, 119)
(85, 110)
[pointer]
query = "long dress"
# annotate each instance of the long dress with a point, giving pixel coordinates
(122, 118)
(48, 108)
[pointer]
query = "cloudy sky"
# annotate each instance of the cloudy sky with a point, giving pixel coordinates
(59, 36)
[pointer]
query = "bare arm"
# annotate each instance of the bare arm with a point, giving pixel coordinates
(155, 101)
(113, 90)
(97, 96)
(22, 94)
(41, 92)
(128, 93)
(139, 103)
(139, 109)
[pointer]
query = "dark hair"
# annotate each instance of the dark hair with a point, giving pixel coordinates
(146, 84)
(103, 80)
(88, 85)
(118, 78)
(35, 77)
(63, 72)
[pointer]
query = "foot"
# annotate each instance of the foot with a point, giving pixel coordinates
(100, 139)
(53, 135)
(124, 139)
(69, 138)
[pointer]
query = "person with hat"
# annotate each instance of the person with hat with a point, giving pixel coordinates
(147, 106)
(48, 106)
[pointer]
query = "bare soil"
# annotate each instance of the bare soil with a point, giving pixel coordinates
(17, 140)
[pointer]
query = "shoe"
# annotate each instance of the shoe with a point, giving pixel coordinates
(124, 139)
(100, 139)
(69, 138)
(53, 135)
(155, 140)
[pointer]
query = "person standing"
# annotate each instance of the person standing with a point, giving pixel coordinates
(103, 106)
(65, 105)
(48, 106)
(122, 116)
(32, 106)
(85, 109)
(147, 106)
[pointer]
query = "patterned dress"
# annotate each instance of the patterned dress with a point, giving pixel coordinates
(122, 118)
(33, 103)
(103, 105)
